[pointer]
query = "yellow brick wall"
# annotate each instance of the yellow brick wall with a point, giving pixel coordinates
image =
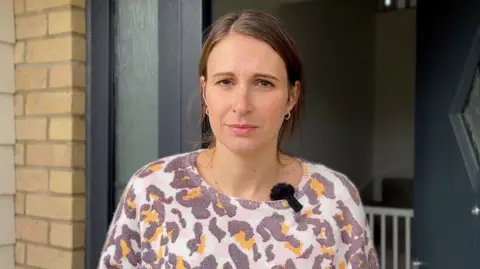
(50, 133)
(7, 136)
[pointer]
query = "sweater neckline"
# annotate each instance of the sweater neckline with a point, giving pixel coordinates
(278, 204)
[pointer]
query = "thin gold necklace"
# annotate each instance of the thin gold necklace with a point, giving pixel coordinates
(215, 178)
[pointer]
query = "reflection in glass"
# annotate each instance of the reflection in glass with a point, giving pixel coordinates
(471, 114)
(136, 87)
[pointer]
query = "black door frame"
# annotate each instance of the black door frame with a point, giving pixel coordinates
(181, 23)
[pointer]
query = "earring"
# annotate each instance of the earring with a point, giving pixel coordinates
(206, 111)
(288, 115)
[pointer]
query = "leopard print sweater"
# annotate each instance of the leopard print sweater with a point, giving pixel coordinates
(169, 217)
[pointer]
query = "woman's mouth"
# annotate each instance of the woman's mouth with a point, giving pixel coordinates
(242, 129)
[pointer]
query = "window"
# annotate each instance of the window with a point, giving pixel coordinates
(394, 5)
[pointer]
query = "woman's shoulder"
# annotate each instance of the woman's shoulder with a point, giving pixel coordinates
(331, 183)
(167, 164)
(162, 171)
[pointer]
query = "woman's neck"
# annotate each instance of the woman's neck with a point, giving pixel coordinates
(247, 177)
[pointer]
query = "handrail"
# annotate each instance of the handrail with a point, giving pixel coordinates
(391, 211)
(395, 214)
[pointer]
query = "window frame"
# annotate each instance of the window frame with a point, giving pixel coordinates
(183, 23)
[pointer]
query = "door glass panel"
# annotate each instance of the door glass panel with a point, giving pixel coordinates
(471, 114)
(136, 86)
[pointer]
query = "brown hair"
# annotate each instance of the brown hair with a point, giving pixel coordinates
(266, 28)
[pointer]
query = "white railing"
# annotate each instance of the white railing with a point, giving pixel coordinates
(390, 220)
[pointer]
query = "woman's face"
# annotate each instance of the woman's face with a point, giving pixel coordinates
(247, 93)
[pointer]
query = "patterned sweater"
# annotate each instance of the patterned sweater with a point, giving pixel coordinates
(169, 217)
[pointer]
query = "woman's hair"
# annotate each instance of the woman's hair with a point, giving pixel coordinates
(267, 28)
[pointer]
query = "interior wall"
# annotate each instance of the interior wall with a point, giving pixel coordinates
(393, 131)
(336, 40)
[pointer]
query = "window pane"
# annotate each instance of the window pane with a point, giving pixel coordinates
(471, 115)
(136, 84)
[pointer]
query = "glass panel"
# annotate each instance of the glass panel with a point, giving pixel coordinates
(471, 114)
(401, 4)
(136, 82)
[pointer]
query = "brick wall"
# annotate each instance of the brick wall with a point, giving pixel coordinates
(50, 133)
(7, 135)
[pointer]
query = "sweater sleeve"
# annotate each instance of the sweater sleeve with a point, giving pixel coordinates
(122, 245)
(357, 249)
(367, 250)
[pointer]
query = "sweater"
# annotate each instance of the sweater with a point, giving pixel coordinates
(170, 217)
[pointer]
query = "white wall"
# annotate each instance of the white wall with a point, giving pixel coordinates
(393, 131)
(7, 135)
(336, 39)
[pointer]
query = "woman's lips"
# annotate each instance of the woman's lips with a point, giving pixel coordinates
(242, 129)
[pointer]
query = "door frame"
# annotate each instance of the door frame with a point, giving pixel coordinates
(182, 22)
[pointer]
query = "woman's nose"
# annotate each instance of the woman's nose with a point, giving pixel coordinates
(242, 100)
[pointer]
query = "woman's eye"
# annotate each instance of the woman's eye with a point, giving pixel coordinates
(265, 84)
(224, 82)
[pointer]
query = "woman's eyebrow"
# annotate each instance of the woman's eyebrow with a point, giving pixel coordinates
(264, 75)
(222, 74)
(231, 74)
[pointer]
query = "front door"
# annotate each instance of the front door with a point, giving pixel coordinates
(447, 141)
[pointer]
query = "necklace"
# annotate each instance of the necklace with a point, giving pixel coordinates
(215, 178)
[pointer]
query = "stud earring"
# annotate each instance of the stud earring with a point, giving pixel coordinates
(288, 115)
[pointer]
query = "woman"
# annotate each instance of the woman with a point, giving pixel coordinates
(212, 208)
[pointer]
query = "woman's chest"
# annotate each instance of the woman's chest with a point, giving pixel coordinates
(246, 241)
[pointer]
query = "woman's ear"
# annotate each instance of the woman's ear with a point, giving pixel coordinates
(203, 84)
(294, 93)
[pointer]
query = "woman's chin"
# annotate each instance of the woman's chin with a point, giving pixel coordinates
(244, 146)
